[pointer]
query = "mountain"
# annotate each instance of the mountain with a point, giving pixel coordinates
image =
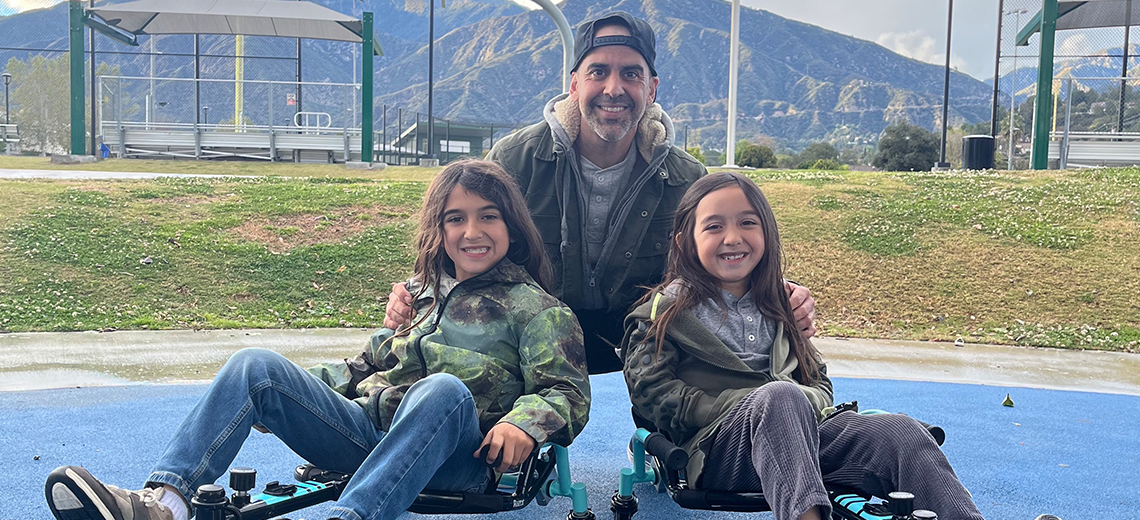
(1101, 64)
(496, 62)
(798, 82)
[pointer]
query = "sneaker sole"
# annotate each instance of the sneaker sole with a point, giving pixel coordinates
(73, 494)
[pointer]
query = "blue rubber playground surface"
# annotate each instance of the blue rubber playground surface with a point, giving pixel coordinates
(1072, 454)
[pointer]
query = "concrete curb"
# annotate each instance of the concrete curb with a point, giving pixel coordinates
(60, 359)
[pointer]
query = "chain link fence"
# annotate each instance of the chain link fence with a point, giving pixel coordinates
(1104, 89)
(244, 84)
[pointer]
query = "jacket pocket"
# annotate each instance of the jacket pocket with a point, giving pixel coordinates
(550, 228)
(649, 262)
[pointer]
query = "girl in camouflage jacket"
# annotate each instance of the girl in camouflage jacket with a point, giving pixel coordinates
(491, 368)
(709, 362)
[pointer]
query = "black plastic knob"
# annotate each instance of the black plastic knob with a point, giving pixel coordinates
(243, 479)
(900, 504)
(588, 515)
(210, 494)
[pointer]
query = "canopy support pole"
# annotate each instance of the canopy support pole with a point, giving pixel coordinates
(1043, 109)
(366, 56)
(75, 33)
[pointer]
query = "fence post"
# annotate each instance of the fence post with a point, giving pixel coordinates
(272, 136)
(1068, 118)
(119, 117)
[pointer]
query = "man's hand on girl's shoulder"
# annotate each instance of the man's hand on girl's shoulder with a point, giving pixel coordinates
(399, 310)
(510, 441)
(803, 307)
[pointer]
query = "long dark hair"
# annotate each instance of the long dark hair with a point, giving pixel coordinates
(489, 181)
(766, 282)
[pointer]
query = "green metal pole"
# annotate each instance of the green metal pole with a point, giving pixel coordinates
(78, 123)
(366, 91)
(1044, 102)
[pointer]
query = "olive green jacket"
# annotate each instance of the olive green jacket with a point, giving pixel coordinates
(692, 384)
(540, 158)
(516, 348)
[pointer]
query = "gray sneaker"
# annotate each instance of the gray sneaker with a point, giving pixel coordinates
(73, 494)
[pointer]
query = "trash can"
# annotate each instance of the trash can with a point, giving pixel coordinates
(977, 152)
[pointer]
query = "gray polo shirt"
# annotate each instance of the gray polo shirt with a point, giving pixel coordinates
(601, 189)
(741, 327)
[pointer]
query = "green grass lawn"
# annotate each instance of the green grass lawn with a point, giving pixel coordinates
(1028, 258)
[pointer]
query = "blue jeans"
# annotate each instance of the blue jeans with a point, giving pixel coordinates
(429, 446)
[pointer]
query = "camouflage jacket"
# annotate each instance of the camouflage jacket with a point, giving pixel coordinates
(517, 348)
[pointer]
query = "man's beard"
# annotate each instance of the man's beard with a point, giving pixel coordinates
(606, 132)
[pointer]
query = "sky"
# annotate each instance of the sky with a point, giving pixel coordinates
(913, 28)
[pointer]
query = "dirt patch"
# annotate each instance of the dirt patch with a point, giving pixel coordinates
(281, 234)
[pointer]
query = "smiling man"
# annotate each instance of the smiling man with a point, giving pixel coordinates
(602, 180)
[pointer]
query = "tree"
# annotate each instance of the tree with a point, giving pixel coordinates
(714, 158)
(40, 103)
(816, 152)
(754, 155)
(905, 147)
(825, 164)
(695, 151)
(43, 113)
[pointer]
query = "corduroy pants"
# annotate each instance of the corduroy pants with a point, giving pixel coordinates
(771, 442)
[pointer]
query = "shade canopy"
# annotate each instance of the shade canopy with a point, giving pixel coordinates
(1087, 14)
(287, 19)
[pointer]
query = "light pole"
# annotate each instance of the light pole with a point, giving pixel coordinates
(946, 86)
(7, 114)
(733, 58)
(1013, 90)
(1124, 67)
(431, 81)
(997, 72)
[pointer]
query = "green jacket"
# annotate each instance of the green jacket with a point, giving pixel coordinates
(694, 383)
(540, 158)
(518, 350)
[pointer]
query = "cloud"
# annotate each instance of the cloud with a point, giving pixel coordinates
(527, 4)
(920, 46)
(1075, 45)
(18, 6)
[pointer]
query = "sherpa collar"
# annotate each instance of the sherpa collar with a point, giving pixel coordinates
(654, 129)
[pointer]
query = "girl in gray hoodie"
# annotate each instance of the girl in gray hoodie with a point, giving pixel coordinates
(708, 360)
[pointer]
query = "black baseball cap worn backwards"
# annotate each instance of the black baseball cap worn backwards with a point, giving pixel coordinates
(641, 37)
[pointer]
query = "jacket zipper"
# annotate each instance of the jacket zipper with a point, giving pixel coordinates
(435, 324)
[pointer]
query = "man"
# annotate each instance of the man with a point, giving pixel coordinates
(602, 181)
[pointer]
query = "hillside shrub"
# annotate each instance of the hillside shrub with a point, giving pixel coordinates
(824, 164)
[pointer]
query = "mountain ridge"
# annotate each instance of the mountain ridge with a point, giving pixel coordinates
(496, 61)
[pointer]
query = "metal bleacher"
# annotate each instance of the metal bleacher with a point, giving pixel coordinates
(141, 140)
(10, 136)
(271, 129)
(1092, 149)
